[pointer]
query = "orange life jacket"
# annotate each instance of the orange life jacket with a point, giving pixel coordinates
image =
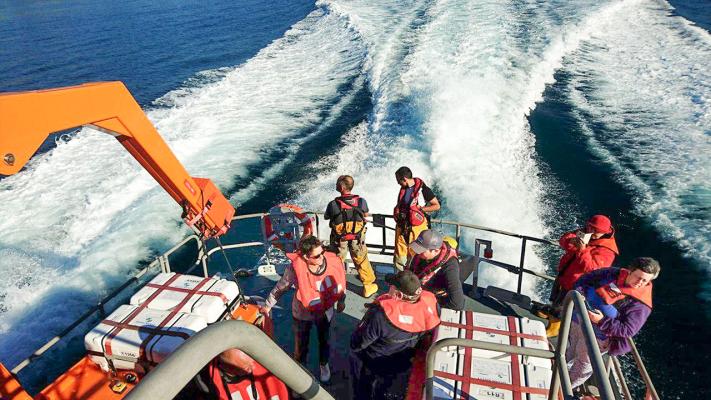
(349, 211)
(411, 317)
(260, 385)
(408, 212)
(616, 291)
(318, 293)
(426, 270)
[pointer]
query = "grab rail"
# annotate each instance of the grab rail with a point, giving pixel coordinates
(475, 344)
(573, 302)
(170, 376)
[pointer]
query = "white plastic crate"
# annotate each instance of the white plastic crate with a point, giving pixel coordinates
(133, 333)
(204, 297)
(488, 365)
(446, 361)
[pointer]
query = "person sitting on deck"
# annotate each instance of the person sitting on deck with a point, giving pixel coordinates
(410, 216)
(586, 250)
(384, 342)
(320, 281)
(346, 214)
(437, 266)
(629, 292)
(235, 375)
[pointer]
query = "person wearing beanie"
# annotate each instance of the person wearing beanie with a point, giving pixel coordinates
(586, 249)
(383, 344)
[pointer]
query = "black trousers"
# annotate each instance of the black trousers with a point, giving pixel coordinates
(380, 379)
(302, 332)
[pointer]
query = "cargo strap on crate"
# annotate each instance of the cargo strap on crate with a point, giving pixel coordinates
(494, 331)
(189, 291)
(515, 387)
(116, 329)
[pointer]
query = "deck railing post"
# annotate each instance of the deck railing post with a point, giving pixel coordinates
(643, 371)
(521, 264)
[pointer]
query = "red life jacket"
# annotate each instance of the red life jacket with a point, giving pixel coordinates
(411, 317)
(426, 270)
(260, 385)
(408, 212)
(349, 211)
(616, 291)
(318, 293)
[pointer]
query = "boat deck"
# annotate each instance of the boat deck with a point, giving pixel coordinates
(345, 323)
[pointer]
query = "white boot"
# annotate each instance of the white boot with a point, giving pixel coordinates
(325, 373)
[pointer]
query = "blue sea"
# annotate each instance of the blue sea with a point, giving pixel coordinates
(526, 116)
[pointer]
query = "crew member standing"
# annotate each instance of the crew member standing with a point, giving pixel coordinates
(383, 344)
(586, 249)
(320, 281)
(346, 214)
(410, 213)
(438, 268)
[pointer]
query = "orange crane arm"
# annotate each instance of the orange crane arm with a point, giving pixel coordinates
(27, 118)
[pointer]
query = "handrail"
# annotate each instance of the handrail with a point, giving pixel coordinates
(476, 344)
(643, 370)
(170, 376)
(574, 301)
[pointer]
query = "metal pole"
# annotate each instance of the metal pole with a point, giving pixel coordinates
(593, 347)
(621, 378)
(170, 376)
(642, 370)
(562, 346)
(520, 265)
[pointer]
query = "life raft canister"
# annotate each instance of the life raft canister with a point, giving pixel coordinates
(617, 290)
(411, 317)
(424, 270)
(407, 211)
(286, 224)
(350, 219)
(260, 385)
(318, 293)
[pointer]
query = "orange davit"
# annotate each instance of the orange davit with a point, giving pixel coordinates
(27, 118)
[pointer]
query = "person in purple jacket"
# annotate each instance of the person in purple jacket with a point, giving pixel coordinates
(629, 290)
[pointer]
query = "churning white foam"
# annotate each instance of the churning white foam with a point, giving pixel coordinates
(642, 88)
(81, 216)
(453, 107)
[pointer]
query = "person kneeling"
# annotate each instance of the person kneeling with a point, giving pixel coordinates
(235, 375)
(383, 344)
(623, 302)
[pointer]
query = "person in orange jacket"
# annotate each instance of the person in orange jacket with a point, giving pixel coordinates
(235, 375)
(586, 249)
(320, 281)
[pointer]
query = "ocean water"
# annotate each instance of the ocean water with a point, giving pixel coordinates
(526, 116)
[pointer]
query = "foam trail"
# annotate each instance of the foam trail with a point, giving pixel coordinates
(453, 108)
(84, 214)
(642, 88)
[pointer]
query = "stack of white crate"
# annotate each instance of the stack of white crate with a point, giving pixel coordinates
(159, 318)
(489, 374)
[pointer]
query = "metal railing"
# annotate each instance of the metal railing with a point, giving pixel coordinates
(379, 221)
(574, 301)
(166, 380)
